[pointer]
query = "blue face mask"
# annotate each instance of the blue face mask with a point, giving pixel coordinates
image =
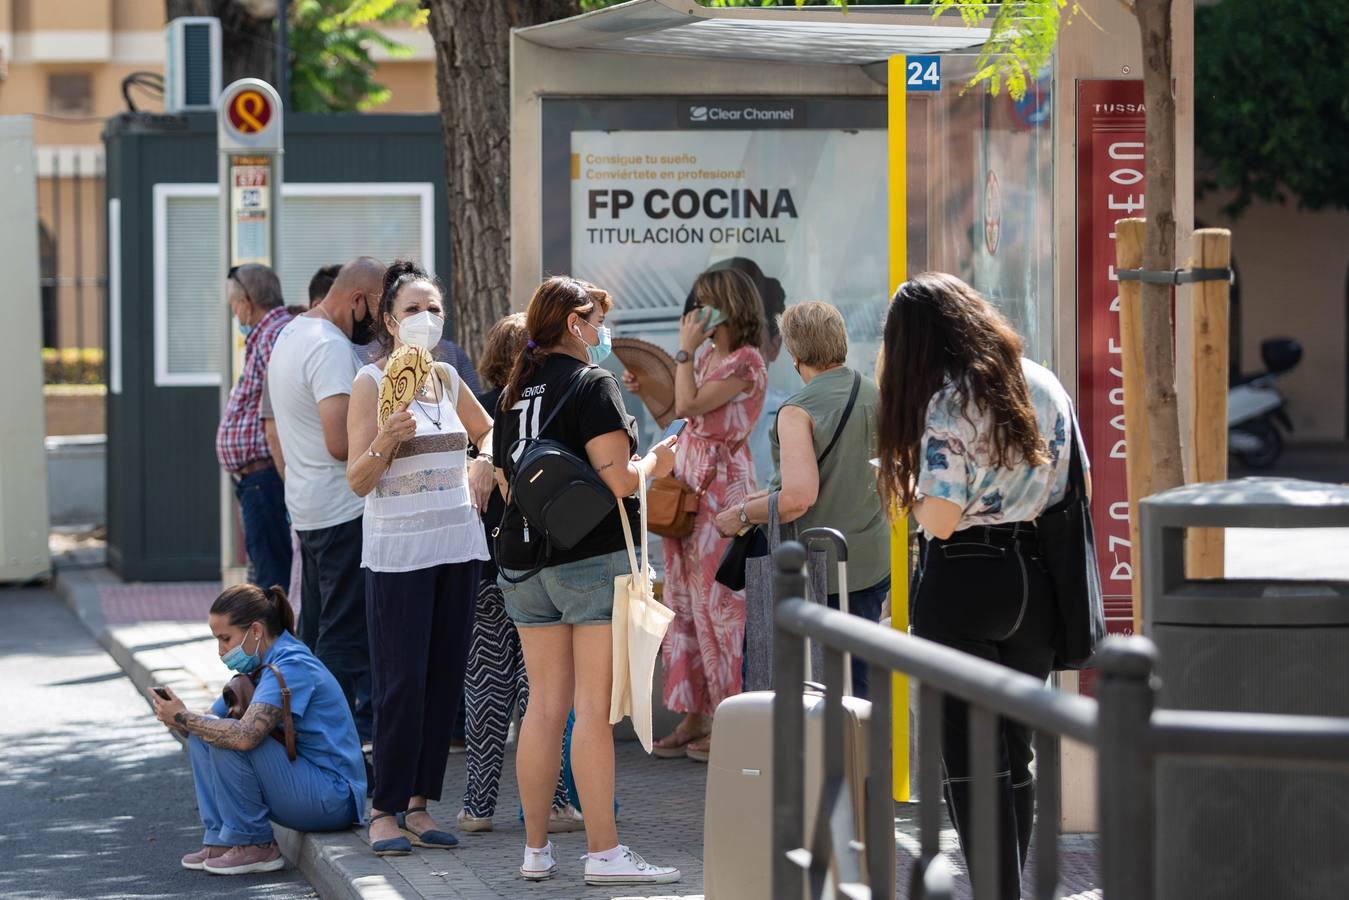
(236, 660)
(244, 330)
(599, 352)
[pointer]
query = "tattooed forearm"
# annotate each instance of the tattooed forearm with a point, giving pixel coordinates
(233, 734)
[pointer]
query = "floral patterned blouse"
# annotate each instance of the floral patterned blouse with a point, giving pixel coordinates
(957, 449)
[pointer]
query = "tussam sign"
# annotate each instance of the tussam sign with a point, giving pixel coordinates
(742, 114)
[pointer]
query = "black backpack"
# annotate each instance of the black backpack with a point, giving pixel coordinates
(557, 492)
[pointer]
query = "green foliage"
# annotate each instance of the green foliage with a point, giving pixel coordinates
(1020, 43)
(1021, 38)
(330, 41)
(1271, 106)
(72, 365)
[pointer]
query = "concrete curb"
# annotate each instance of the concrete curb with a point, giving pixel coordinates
(338, 865)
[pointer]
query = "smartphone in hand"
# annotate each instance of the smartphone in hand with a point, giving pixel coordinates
(162, 694)
(673, 429)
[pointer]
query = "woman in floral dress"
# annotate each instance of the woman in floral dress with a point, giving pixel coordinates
(720, 390)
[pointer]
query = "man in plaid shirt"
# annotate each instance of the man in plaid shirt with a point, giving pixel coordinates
(254, 294)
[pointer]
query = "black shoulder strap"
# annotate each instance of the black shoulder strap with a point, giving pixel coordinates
(572, 387)
(843, 420)
(1077, 481)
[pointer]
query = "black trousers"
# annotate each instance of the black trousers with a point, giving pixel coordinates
(985, 591)
(421, 623)
(332, 612)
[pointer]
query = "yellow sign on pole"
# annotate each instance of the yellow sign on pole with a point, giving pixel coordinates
(897, 147)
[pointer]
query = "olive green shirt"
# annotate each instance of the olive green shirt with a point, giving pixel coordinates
(848, 499)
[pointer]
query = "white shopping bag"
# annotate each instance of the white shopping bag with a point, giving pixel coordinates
(639, 624)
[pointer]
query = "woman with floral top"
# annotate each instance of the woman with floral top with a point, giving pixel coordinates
(973, 441)
(720, 380)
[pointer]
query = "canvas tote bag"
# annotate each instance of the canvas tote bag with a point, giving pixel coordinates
(639, 625)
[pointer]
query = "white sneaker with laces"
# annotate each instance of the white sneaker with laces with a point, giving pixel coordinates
(539, 865)
(628, 868)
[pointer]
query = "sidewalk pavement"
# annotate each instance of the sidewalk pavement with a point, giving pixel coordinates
(157, 634)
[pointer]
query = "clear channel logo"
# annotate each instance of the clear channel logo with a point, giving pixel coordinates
(743, 114)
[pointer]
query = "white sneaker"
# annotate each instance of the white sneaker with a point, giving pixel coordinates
(539, 865)
(628, 868)
(566, 819)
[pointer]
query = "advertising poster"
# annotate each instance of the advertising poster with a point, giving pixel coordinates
(1111, 185)
(652, 209)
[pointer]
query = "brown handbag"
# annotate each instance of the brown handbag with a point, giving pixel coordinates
(671, 505)
(238, 694)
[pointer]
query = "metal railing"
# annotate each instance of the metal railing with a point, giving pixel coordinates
(1128, 733)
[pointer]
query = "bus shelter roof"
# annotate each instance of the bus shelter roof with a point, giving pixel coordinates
(859, 36)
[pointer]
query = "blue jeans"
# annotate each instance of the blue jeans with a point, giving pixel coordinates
(262, 501)
(240, 794)
(866, 604)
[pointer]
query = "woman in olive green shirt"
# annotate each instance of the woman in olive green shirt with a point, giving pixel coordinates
(821, 461)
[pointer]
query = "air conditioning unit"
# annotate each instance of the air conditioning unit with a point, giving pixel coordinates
(192, 71)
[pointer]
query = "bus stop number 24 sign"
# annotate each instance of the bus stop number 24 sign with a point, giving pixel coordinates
(923, 73)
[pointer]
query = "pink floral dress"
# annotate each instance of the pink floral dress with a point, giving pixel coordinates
(705, 642)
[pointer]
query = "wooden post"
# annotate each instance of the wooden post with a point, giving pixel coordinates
(1138, 445)
(1206, 450)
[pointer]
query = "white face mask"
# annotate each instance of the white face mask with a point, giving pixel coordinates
(421, 330)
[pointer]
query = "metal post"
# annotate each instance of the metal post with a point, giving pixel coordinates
(283, 51)
(59, 338)
(1047, 806)
(1126, 692)
(789, 722)
(79, 255)
(880, 817)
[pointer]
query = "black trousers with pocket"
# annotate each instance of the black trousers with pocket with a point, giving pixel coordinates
(332, 612)
(421, 623)
(984, 591)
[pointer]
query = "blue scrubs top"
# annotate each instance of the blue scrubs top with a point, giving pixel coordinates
(325, 733)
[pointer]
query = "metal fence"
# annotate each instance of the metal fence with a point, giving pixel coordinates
(72, 240)
(1128, 733)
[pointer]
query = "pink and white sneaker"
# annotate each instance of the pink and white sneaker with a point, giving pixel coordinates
(196, 860)
(247, 860)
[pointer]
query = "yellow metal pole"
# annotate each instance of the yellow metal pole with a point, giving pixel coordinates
(897, 143)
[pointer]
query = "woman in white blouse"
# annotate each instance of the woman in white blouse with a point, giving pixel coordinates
(423, 544)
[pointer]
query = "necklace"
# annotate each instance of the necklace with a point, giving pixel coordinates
(435, 419)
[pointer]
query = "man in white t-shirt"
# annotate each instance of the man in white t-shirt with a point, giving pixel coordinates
(309, 382)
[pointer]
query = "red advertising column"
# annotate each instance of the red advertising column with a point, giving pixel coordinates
(1110, 187)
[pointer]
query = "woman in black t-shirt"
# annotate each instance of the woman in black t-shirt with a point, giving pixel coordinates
(563, 612)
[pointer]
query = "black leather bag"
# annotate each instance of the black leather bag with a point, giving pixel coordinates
(1068, 548)
(559, 494)
(748, 545)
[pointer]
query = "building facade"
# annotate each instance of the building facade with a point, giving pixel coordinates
(64, 63)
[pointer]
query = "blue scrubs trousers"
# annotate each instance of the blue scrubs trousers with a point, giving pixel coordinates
(240, 794)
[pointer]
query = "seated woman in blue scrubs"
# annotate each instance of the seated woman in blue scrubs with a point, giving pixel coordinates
(244, 778)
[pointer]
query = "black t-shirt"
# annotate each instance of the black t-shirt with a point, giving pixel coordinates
(491, 518)
(594, 408)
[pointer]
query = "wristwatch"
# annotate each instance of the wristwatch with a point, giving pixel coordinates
(682, 357)
(744, 516)
(486, 456)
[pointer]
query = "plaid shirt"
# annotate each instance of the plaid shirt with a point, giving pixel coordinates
(241, 438)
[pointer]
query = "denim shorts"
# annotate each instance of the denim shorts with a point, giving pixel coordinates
(574, 593)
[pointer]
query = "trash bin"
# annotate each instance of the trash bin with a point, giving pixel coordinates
(1249, 645)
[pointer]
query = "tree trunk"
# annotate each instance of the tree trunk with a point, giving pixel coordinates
(248, 44)
(1159, 242)
(472, 40)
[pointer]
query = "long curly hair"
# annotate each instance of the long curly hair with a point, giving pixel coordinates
(940, 330)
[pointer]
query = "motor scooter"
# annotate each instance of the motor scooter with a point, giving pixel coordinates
(1255, 408)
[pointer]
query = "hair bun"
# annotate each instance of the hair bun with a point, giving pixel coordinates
(400, 269)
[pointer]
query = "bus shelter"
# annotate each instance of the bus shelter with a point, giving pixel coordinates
(829, 154)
